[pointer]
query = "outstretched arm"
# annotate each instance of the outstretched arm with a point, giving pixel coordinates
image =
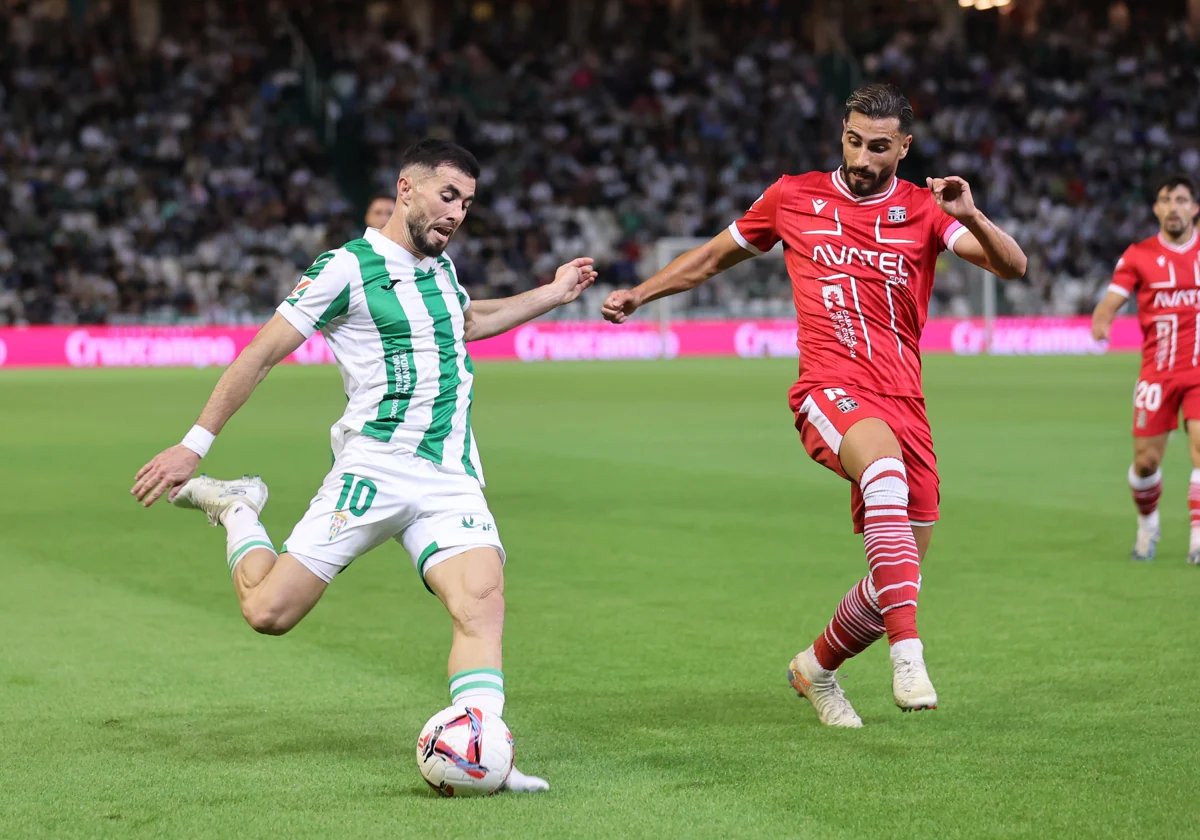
(172, 467)
(486, 318)
(984, 243)
(687, 271)
(275, 342)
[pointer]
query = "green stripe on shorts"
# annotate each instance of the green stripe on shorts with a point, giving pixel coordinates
(425, 555)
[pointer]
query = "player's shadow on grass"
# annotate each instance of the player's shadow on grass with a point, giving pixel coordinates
(198, 738)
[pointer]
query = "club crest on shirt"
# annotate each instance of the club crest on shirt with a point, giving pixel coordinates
(336, 523)
(897, 214)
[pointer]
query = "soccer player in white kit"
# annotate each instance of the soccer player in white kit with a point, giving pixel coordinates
(406, 463)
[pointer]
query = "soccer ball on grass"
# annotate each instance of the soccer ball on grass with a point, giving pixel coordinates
(465, 752)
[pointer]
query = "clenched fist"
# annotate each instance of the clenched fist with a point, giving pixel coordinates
(619, 306)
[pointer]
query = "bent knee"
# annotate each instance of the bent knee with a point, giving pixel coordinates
(1147, 464)
(479, 609)
(269, 620)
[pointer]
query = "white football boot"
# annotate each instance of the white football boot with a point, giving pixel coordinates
(518, 782)
(214, 496)
(910, 680)
(821, 688)
(1145, 546)
(1193, 557)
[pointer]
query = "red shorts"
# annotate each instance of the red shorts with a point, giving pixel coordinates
(1157, 401)
(825, 413)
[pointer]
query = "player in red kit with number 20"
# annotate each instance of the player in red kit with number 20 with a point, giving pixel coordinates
(860, 247)
(1164, 272)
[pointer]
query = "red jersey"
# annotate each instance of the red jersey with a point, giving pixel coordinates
(1166, 280)
(862, 272)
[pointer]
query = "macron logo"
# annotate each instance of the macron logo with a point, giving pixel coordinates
(818, 205)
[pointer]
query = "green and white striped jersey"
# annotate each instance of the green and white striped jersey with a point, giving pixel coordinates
(395, 326)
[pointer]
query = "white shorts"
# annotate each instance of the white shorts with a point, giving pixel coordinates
(375, 493)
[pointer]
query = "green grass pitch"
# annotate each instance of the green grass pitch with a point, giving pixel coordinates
(671, 547)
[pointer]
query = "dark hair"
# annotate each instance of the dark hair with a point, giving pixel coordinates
(382, 197)
(1172, 181)
(879, 102)
(435, 153)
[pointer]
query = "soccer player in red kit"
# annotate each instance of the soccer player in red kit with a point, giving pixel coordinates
(860, 247)
(1164, 272)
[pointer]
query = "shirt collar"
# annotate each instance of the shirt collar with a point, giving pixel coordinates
(839, 184)
(1182, 247)
(388, 248)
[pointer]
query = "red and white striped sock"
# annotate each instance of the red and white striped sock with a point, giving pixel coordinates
(856, 625)
(1146, 493)
(891, 547)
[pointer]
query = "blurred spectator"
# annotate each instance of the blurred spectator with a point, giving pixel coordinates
(379, 211)
(179, 182)
(186, 181)
(645, 133)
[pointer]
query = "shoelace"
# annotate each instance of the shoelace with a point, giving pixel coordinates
(837, 696)
(905, 670)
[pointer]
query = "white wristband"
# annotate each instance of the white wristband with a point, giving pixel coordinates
(199, 440)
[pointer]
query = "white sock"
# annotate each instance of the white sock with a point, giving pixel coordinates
(481, 688)
(1193, 498)
(816, 666)
(1140, 482)
(910, 649)
(243, 533)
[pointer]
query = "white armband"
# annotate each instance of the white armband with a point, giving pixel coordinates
(199, 440)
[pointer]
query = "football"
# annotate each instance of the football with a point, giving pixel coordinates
(465, 752)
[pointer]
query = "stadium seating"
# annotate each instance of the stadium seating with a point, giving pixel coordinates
(188, 180)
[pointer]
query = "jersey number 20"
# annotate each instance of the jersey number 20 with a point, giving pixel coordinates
(1148, 395)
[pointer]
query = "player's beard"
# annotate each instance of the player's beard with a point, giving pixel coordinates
(873, 182)
(418, 229)
(1174, 225)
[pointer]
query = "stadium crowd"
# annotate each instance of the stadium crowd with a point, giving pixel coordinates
(182, 178)
(150, 184)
